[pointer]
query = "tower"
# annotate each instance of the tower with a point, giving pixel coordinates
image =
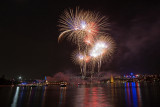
(112, 80)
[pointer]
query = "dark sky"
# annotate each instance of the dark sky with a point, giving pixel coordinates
(29, 32)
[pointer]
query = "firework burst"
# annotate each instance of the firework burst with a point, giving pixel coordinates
(81, 59)
(76, 25)
(84, 28)
(102, 49)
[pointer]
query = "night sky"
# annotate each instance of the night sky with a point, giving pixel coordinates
(29, 32)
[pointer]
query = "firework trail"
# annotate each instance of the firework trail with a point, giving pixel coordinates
(81, 59)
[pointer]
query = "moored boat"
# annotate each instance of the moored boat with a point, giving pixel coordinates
(63, 84)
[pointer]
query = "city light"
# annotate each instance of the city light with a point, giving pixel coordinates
(19, 77)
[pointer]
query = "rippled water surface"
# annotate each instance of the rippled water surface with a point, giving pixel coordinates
(108, 95)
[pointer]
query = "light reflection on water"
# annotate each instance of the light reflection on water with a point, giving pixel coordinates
(133, 94)
(15, 98)
(91, 97)
(109, 95)
(62, 96)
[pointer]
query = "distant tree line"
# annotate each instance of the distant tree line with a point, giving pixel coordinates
(4, 81)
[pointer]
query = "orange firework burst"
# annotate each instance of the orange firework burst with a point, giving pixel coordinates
(75, 25)
(103, 48)
(80, 57)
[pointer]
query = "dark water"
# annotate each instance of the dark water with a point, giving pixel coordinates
(108, 95)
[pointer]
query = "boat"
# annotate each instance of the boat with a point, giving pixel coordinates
(63, 84)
